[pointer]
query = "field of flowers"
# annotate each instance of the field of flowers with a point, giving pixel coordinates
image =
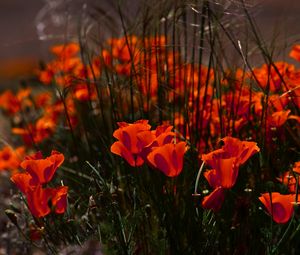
(155, 142)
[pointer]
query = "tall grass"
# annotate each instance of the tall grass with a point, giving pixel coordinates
(187, 63)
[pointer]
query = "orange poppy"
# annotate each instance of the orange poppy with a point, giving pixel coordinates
(128, 145)
(65, 50)
(155, 138)
(279, 206)
(38, 172)
(10, 159)
(12, 103)
(168, 158)
(225, 163)
(42, 170)
(233, 147)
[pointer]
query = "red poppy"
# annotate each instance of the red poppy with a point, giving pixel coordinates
(168, 158)
(279, 206)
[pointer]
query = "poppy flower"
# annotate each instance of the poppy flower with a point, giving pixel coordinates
(128, 145)
(168, 158)
(242, 150)
(232, 148)
(12, 103)
(10, 159)
(225, 163)
(43, 99)
(279, 206)
(42, 170)
(37, 132)
(38, 172)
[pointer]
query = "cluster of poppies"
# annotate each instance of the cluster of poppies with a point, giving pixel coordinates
(44, 114)
(160, 148)
(225, 163)
(39, 172)
(10, 158)
(202, 104)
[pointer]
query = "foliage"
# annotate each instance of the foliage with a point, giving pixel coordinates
(166, 145)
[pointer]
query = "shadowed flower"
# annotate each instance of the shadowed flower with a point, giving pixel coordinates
(279, 206)
(214, 200)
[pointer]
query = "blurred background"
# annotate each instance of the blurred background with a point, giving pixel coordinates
(28, 28)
